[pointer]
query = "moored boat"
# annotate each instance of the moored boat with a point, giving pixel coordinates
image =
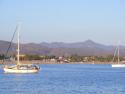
(20, 68)
(118, 64)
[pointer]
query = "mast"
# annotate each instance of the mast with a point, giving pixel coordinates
(118, 54)
(18, 46)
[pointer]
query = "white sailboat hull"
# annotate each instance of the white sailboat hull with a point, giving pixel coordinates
(19, 71)
(118, 65)
(16, 70)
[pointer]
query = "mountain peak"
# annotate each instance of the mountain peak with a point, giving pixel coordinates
(89, 42)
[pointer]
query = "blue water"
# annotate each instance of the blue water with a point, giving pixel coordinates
(65, 79)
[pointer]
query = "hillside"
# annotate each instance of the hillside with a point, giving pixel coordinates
(85, 48)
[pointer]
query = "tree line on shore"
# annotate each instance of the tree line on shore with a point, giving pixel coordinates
(72, 58)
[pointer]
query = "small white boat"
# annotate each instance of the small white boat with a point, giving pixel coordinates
(21, 68)
(119, 64)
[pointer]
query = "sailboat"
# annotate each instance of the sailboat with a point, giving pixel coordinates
(21, 68)
(117, 65)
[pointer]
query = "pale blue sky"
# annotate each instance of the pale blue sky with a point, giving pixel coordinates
(64, 20)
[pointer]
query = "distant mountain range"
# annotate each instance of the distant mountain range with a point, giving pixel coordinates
(86, 48)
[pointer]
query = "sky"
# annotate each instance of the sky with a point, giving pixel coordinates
(102, 21)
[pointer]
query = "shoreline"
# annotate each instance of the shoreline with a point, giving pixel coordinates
(52, 62)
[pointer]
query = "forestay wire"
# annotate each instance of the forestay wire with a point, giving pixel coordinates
(10, 44)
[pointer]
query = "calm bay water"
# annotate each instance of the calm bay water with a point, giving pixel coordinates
(65, 79)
